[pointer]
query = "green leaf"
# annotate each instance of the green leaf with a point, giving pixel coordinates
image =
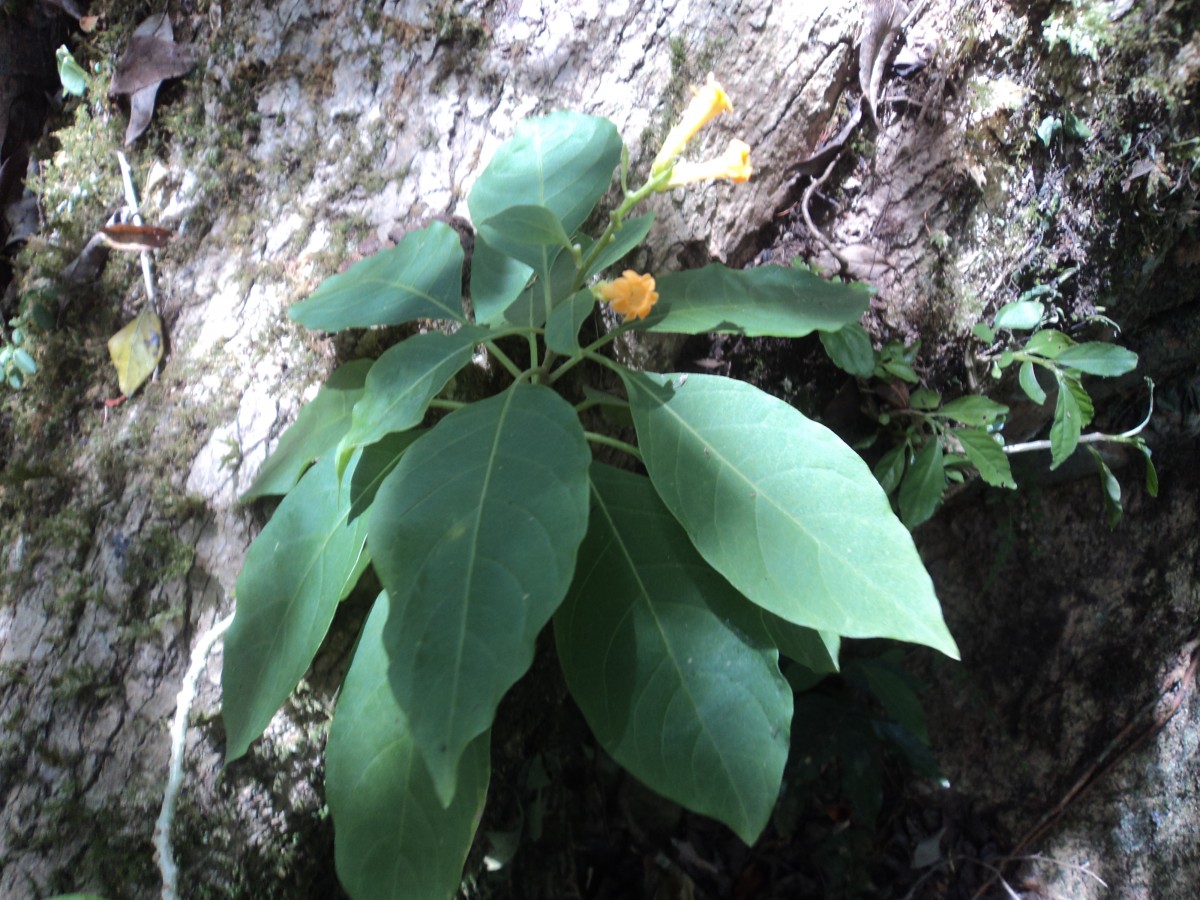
(987, 456)
(1048, 343)
(850, 349)
(474, 535)
(629, 235)
(530, 308)
(1110, 488)
(403, 381)
(984, 332)
(1068, 420)
(376, 463)
(1075, 127)
(1022, 315)
(688, 701)
(817, 651)
(496, 282)
(901, 370)
(70, 73)
(530, 234)
(770, 300)
(562, 328)
(1029, 383)
(1097, 358)
(393, 837)
(563, 161)
(782, 508)
(1084, 400)
(1151, 473)
(973, 409)
(419, 278)
(1050, 126)
(886, 679)
(24, 361)
(923, 485)
(890, 468)
(316, 431)
(924, 399)
(300, 566)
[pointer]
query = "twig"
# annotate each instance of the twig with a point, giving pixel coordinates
(187, 693)
(1094, 437)
(816, 232)
(132, 202)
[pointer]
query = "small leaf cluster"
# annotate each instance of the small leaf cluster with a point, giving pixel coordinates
(740, 533)
(16, 362)
(937, 442)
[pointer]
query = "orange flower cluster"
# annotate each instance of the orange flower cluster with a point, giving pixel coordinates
(632, 295)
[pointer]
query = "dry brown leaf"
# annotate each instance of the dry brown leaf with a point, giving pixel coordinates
(151, 58)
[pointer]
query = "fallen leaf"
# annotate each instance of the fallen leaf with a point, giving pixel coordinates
(136, 350)
(87, 24)
(151, 58)
(134, 238)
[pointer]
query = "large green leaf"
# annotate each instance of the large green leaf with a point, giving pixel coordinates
(306, 559)
(815, 650)
(781, 507)
(677, 680)
(474, 536)
(496, 282)
(562, 328)
(419, 278)
(563, 161)
(530, 234)
(770, 300)
(316, 431)
(403, 381)
(393, 838)
(530, 308)
(375, 464)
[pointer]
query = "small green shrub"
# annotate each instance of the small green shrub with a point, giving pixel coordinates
(755, 531)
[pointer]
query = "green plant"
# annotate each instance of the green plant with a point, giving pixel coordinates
(936, 442)
(16, 363)
(756, 532)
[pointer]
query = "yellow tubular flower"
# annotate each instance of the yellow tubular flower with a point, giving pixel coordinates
(707, 102)
(733, 164)
(632, 295)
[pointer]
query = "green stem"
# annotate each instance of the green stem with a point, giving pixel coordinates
(447, 404)
(616, 217)
(613, 442)
(584, 405)
(502, 358)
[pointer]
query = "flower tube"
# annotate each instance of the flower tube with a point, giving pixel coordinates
(732, 165)
(707, 102)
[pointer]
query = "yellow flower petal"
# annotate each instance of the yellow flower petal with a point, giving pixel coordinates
(707, 102)
(732, 165)
(632, 295)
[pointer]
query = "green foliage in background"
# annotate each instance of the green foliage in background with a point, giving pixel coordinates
(936, 442)
(740, 531)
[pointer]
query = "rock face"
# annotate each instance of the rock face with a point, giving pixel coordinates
(309, 133)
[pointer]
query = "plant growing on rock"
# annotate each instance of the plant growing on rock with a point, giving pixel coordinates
(755, 531)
